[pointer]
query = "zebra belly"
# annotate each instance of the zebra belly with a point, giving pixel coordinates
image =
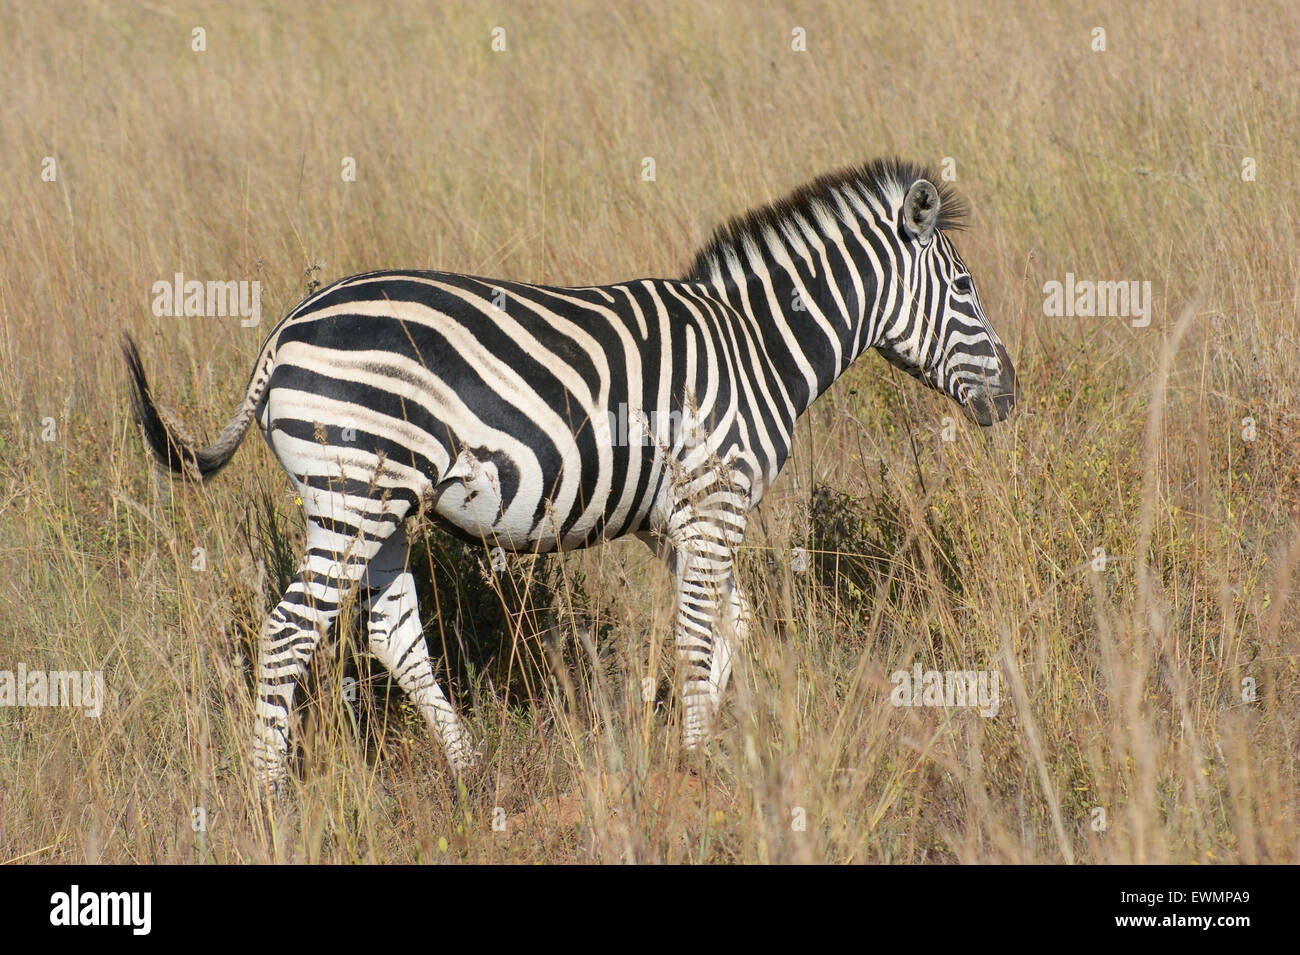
(470, 500)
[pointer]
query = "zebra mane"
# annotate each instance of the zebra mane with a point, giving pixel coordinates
(886, 179)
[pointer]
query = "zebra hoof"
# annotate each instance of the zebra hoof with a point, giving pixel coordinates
(274, 791)
(467, 766)
(270, 779)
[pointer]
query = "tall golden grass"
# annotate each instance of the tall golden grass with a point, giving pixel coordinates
(1126, 733)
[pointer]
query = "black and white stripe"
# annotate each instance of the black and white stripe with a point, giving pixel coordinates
(535, 418)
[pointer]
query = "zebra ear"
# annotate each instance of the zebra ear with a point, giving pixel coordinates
(921, 210)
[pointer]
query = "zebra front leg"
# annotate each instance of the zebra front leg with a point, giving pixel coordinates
(707, 590)
(734, 632)
(704, 651)
(397, 640)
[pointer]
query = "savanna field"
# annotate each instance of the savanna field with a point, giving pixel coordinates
(1122, 552)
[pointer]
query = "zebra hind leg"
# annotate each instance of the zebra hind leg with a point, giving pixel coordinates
(397, 641)
(289, 638)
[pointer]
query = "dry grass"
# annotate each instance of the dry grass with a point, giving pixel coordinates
(1122, 689)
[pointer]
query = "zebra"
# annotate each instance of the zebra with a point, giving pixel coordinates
(535, 418)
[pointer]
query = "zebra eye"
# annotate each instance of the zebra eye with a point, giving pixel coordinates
(961, 285)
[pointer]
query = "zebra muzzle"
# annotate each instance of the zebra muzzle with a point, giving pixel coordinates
(992, 402)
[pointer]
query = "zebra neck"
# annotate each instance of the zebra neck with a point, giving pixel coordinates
(811, 321)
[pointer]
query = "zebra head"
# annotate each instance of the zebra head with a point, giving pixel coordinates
(939, 334)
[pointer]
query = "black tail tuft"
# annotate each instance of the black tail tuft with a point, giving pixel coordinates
(168, 447)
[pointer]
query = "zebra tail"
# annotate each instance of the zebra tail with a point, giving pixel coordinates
(166, 436)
